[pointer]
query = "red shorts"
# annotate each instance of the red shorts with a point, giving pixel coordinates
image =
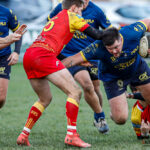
(39, 62)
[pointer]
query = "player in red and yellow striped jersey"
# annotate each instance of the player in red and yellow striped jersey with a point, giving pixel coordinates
(42, 66)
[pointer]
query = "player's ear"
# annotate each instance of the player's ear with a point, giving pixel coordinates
(72, 8)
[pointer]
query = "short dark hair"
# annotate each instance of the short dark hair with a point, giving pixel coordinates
(110, 35)
(133, 88)
(66, 4)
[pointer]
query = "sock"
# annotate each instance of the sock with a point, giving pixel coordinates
(34, 114)
(72, 108)
(99, 115)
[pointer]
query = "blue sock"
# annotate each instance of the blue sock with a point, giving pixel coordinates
(99, 115)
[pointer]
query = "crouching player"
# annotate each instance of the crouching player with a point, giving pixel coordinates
(140, 117)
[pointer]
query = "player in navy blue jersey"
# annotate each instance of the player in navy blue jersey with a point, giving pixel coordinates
(7, 21)
(87, 77)
(121, 65)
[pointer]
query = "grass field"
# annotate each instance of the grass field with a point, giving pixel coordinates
(49, 132)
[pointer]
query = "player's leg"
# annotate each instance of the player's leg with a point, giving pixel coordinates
(119, 109)
(3, 91)
(4, 78)
(42, 89)
(96, 84)
(64, 80)
(83, 78)
(115, 91)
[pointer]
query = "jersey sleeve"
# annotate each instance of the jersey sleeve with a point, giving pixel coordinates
(102, 20)
(55, 11)
(76, 22)
(91, 52)
(136, 30)
(13, 23)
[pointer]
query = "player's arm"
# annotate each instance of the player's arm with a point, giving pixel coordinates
(4, 42)
(147, 23)
(73, 60)
(135, 96)
(13, 58)
(89, 53)
(94, 33)
(102, 19)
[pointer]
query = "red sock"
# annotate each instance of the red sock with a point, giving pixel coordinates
(34, 115)
(72, 108)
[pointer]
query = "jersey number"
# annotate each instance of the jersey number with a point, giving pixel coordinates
(49, 26)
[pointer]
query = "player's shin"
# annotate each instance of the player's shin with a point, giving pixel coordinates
(72, 137)
(72, 108)
(34, 114)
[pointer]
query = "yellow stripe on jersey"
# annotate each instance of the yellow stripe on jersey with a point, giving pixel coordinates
(73, 101)
(16, 27)
(76, 22)
(48, 17)
(136, 115)
(83, 56)
(39, 106)
(144, 24)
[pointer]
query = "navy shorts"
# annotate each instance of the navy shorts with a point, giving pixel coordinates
(5, 70)
(118, 86)
(93, 71)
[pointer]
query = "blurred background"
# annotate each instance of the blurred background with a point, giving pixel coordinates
(34, 13)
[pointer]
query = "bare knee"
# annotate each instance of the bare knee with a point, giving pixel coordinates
(119, 119)
(45, 102)
(75, 94)
(88, 88)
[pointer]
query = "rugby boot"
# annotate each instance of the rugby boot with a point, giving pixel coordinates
(23, 140)
(101, 125)
(75, 140)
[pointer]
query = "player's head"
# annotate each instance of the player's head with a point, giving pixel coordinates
(112, 41)
(73, 5)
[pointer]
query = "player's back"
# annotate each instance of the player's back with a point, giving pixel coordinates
(59, 30)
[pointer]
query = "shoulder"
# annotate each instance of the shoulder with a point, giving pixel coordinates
(95, 7)
(59, 6)
(4, 9)
(73, 15)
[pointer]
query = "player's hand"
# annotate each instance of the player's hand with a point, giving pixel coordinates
(13, 58)
(86, 64)
(13, 38)
(21, 30)
(129, 95)
(145, 128)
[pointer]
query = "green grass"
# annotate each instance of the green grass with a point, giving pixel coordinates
(49, 132)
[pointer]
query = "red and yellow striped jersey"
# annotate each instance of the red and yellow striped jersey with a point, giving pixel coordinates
(59, 31)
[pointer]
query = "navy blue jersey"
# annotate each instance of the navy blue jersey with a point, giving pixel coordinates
(95, 17)
(125, 65)
(7, 21)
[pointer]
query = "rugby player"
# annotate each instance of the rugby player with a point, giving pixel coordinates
(7, 21)
(41, 66)
(121, 65)
(87, 77)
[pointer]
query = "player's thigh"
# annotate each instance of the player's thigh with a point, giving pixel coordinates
(3, 87)
(42, 89)
(64, 80)
(83, 78)
(119, 106)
